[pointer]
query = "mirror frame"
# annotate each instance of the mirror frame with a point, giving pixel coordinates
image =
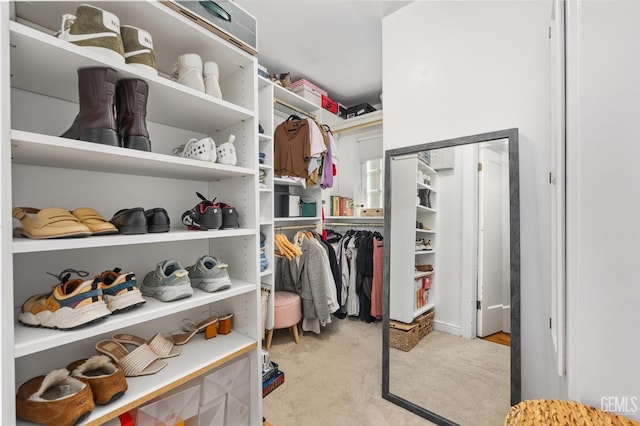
(514, 223)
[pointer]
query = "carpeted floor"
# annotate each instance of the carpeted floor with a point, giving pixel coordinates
(335, 379)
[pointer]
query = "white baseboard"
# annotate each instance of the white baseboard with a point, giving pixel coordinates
(447, 328)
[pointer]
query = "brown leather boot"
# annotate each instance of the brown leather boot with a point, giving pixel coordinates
(131, 103)
(96, 121)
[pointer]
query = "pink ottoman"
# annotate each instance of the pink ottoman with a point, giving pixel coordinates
(287, 314)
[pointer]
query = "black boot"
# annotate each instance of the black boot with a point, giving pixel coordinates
(131, 103)
(96, 120)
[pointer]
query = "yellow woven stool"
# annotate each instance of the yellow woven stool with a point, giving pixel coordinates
(552, 412)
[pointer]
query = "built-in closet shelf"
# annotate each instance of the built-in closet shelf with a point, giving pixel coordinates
(171, 31)
(52, 151)
(29, 340)
(264, 138)
(292, 99)
(198, 357)
(265, 166)
(266, 272)
(425, 209)
(25, 245)
(426, 231)
(285, 182)
(422, 274)
(263, 82)
(425, 251)
(356, 218)
(267, 190)
(266, 223)
(423, 186)
(423, 309)
(169, 103)
(280, 220)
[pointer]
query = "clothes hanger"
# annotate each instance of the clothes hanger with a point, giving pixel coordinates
(294, 117)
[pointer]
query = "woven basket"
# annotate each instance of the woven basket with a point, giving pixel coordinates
(403, 336)
(425, 323)
(548, 412)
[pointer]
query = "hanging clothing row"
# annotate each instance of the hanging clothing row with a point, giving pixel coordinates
(305, 151)
(360, 260)
(312, 275)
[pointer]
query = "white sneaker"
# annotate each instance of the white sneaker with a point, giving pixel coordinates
(188, 71)
(203, 150)
(227, 152)
(211, 80)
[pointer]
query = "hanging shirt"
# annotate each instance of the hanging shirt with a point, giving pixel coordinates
(291, 151)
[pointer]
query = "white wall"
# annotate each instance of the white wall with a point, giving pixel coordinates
(468, 67)
(603, 205)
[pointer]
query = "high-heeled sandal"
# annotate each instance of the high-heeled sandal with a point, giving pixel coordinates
(182, 338)
(225, 324)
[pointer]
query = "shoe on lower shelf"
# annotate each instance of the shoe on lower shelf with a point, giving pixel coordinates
(55, 399)
(209, 274)
(168, 282)
(106, 379)
(71, 303)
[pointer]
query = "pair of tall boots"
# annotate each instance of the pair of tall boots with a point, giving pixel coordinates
(112, 112)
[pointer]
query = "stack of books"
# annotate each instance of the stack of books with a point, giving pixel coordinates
(341, 206)
(271, 379)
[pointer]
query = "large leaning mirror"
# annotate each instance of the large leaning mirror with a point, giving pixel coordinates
(451, 340)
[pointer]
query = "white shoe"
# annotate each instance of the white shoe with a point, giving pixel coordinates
(227, 152)
(211, 80)
(203, 149)
(188, 71)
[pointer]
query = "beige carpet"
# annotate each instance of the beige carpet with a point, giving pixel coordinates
(464, 380)
(335, 379)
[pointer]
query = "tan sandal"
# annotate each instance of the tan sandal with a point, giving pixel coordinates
(97, 224)
(163, 347)
(225, 324)
(53, 222)
(182, 338)
(142, 361)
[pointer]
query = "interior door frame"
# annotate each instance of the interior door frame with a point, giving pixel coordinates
(514, 229)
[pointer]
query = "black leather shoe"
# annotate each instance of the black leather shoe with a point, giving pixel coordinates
(130, 221)
(157, 220)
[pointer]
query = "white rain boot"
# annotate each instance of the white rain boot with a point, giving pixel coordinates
(227, 152)
(211, 83)
(188, 71)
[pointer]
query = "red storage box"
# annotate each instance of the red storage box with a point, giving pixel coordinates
(329, 105)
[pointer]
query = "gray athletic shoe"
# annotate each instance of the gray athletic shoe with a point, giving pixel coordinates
(209, 274)
(169, 281)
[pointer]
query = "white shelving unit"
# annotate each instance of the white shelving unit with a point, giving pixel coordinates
(39, 169)
(265, 114)
(404, 303)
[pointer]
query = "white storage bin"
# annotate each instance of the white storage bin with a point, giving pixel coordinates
(213, 414)
(225, 379)
(238, 401)
(169, 410)
(309, 94)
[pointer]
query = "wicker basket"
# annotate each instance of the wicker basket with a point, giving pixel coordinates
(550, 412)
(425, 323)
(403, 336)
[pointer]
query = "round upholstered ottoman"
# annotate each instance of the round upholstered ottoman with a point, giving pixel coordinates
(287, 314)
(552, 412)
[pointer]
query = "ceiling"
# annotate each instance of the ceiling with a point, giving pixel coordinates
(335, 44)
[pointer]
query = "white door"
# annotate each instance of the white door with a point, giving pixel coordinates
(490, 242)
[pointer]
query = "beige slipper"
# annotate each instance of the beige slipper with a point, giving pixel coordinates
(53, 222)
(163, 347)
(97, 224)
(142, 361)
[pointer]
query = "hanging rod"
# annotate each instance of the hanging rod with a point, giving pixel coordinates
(281, 228)
(357, 126)
(296, 109)
(353, 224)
